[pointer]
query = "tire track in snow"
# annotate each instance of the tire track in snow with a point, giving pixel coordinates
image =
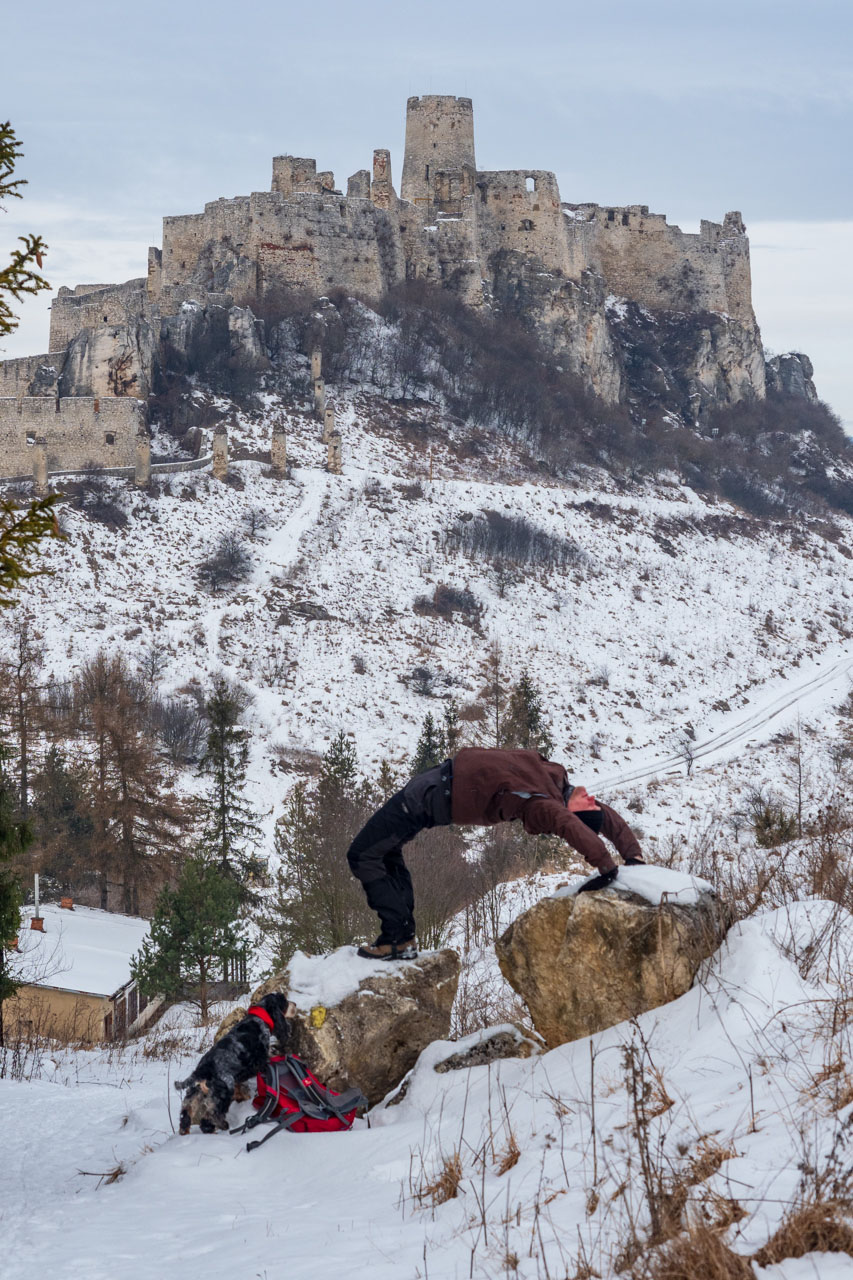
(838, 674)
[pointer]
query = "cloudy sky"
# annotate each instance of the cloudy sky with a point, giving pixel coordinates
(130, 114)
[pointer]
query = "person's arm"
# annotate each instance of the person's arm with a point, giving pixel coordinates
(619, 833)
(543, 816)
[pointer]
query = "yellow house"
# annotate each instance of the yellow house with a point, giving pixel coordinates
(73, 966)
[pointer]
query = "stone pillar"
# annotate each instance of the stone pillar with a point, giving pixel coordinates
(358, 186)
(328, 424)
(278, 449)
(220, 452)
(333, 454)
(316, 363)
(319, 398)
(40, 488)
(142, 472)
(381, 189)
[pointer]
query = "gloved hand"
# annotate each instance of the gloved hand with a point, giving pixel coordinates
(600, 882)
(635, 862)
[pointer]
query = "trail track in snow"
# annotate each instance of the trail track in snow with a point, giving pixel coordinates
(831, 684)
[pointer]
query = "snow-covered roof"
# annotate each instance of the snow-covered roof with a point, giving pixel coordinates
(80, 950)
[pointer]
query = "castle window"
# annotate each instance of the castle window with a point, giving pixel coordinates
(530, 184)
(426, 175)
(611, 215)
(624, 220)
(526, 225)
(31, 437)
(109, 437)
(105, 319)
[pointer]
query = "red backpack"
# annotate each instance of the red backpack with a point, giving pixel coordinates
(289, 1092)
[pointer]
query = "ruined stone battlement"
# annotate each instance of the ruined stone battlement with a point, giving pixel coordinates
(80, 431)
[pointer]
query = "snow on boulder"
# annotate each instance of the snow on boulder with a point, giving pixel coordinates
(583, 962)
(364, 1022)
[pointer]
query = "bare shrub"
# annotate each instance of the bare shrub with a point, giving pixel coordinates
(442, 879)
(448, 602)
(229, 563)
(445, 1183)
(511, 540)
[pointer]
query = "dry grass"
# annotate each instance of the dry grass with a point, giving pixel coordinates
(812, 1227)
(707, 1159)
(445, 1186)
(697, 1254)
(509, 1157)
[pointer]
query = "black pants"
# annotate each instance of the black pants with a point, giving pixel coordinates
(376, 854)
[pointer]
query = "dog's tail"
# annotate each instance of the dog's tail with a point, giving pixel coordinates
(180, 1085)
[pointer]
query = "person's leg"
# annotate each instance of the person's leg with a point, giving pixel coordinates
(375, 859)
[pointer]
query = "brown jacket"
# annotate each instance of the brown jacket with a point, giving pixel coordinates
(485, 790)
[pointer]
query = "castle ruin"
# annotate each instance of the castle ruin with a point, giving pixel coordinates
(487, 236)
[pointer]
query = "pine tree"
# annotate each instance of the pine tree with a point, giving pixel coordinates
(61, 818)
(317, 904)
(430, 750)
(194, 934)
(15, 836)
(231, 833)
(524, 723)
(387, 781)
(451, 729)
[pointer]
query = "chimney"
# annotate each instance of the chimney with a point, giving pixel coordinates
(37, 922)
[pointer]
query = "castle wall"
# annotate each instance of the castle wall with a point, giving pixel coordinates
(643, 258)
(439, 135)
(519, 210)
(79, 431)
(31, 375)
(73, 311)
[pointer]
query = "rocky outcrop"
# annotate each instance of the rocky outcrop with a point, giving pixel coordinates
(370, 1031)
(587, 961)
(792, 375)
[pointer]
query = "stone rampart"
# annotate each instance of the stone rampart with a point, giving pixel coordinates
(113, 304)
(519, 211)
(31, 375)
(643, 258)
(80, 431)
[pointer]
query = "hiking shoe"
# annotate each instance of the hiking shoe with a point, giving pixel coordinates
(390, 950)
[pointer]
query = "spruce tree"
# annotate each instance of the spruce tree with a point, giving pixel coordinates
(194, 934)
(524, 723)
(430, 750)
(231, 833)
(451, 729)
(15, 836)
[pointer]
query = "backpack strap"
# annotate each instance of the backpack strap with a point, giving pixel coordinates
(287, 1123)
(272, 1080)
(322, 1099)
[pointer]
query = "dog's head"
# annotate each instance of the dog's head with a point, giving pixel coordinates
(280, 1010)
(199, 1107)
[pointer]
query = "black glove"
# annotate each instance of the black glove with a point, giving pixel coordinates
(600, 882)
(635, 862)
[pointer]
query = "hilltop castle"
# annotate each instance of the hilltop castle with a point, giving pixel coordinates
(503, 238)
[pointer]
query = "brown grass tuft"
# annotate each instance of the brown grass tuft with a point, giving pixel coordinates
(698, 1254)
(707, 1159)
(509, 1157)
(814, 1227)
(446, 1185)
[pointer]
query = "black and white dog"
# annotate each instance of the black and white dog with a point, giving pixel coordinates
(230, 1062)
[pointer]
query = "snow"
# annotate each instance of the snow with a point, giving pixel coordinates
(326, 980)
(82, 949)
(655, 884)
(738, 1056)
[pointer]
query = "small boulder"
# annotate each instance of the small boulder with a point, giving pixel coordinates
(583, 962)
(364, 1022)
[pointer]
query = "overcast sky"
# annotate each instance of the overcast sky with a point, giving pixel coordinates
(127, 115)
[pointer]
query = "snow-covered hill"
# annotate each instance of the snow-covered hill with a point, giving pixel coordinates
(673, 621)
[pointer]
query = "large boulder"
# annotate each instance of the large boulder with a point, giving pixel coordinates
(364, 1022)
(583, 962)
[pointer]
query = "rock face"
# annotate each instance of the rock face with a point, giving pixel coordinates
(373, 1034)
(586, 962)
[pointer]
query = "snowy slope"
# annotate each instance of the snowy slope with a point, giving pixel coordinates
(682, 627)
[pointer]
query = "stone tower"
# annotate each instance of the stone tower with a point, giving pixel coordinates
(439, 137)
